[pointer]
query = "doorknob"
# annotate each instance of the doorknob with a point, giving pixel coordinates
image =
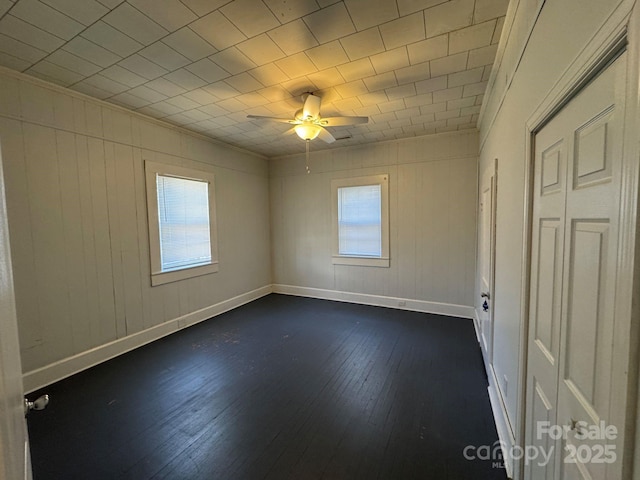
(485, 295)
(39, 404)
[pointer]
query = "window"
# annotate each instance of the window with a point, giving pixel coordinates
(361, 221)
(182, 226)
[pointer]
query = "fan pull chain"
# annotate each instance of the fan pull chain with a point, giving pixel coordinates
(307, 162)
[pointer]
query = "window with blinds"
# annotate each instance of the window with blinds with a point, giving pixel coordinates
(360, 221)
(360, 217)
(182, 222)
(183, 217)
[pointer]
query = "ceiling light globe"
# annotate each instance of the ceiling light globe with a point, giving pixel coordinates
(307, 131)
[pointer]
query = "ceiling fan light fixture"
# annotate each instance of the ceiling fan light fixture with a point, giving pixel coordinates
(307, 131)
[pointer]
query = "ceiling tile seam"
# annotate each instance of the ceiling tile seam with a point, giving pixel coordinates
(167, 70)
(192, 31)
(132, 54)
(408, 44)
(306, 22)
(475, 7)
(495, 29)
(387, 49)
(230, 74)
(16, 59)
(219, 9)
(188, 8)
(8, 12)
(36, 27)
(196, 13)
(16, 16)
(76, 56)
(45, 58)
(169, 33)
(346, 6)
(66, 41)
(146, 83)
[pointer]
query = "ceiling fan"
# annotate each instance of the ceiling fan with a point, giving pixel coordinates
(308, 124)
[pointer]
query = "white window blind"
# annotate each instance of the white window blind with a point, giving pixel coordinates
(360, 221)
(183, 217)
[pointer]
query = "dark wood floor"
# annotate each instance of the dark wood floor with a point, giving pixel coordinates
(281, 388)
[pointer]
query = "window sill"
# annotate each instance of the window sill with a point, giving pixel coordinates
(183, 274)
(360, 261)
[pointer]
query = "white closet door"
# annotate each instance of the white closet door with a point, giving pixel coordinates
(547, 247)
(572, 359)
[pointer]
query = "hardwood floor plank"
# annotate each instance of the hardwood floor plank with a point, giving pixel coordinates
(281, 388)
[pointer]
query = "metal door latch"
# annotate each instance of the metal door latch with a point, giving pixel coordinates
(485, 306)
(39, 404)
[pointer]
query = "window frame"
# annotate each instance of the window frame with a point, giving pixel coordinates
(365, 261)
(152, 170)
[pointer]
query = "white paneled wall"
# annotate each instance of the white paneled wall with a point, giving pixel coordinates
(432, 190)
(78, 221)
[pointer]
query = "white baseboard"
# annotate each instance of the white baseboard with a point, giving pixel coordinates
(476, 325)
(54, 372)
(378, 300)
(505, 433)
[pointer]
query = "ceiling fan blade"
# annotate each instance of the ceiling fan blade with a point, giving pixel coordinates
(311, 107)
(326, 136)
(341, 121)
(274, 119)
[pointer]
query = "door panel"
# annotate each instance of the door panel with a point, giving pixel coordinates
(487, 258)
(592, 223)
(587, 349)
(593, 149)
(14, 446)
(547, 251)
(552, 165)
(542, 410)
(547, 308)
(577, 194)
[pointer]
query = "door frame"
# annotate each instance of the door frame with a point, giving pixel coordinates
(15, 459)
(488, 353)
(620, 32)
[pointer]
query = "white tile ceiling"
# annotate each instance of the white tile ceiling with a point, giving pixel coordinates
(414, 67)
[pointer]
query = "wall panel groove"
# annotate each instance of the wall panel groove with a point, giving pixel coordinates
(78, 221)
(432, 201)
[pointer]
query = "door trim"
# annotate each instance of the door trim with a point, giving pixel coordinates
(14, 440)
(488, 353)
(630, 244)
(620, 33)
